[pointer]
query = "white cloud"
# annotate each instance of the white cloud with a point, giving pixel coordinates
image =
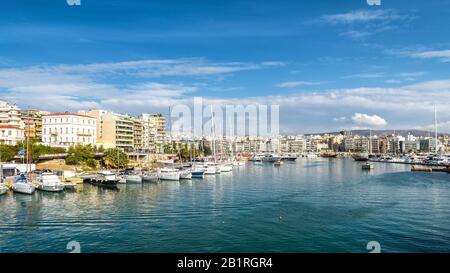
(292, 84)
(442, 55)
(362, 16)
(365, 119)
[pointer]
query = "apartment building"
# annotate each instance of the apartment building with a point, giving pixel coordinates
(10, 115)
(11, 135)
(66, 129)
(113, 130)
(33, 123)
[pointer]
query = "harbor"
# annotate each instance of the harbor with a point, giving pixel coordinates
(307, 205)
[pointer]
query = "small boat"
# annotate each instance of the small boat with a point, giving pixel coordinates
(3, 189)
(289, 158)
(185, 174)
(150, 177)
(133, 178)
(104, 178)
(50, 182)
(270, 158)
(197, 173)
(311, 155)
(211, 168)
(226, 167)
(169, 174)
(22, 185)
(367, 166)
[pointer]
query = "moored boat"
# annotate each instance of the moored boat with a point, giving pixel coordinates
(50, 182)
(22, 185)
(150, 177)
(185, 174)
(226, 167)
(169, 174)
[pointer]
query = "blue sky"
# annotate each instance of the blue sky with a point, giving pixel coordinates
(330, 65)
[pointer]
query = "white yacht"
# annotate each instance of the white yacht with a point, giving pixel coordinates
(48, 181)
(169, 174)
(22, 185)
(211, 168)
(226, 167)
(270, 158)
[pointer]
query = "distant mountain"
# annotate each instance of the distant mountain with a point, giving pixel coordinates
(418, 133)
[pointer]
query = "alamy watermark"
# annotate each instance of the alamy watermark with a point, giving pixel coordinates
(224, 120)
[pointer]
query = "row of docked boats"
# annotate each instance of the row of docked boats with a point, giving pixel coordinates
(174, 173)
(29, 183)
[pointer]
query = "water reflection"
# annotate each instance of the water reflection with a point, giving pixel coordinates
(325, 204)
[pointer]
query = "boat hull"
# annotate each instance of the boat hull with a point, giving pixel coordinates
(51, 188)
(150, 178)
(23, 189)
(169, 176)
(133, 179)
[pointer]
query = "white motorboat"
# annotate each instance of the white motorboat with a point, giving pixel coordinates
(150, 177)
(311, 155)
(3, 189)
(22, 185)
(50, 182)
(270, 158)
(133, 178)
(185, 174)
(104, 178)
(226, 167)
(169, 174)
(211, 168)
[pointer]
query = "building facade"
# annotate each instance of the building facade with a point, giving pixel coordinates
(10, 115)
(11, 135)
(113, 130)
(32, 120)
(64, 130)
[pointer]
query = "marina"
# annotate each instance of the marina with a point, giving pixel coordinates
(326, 205)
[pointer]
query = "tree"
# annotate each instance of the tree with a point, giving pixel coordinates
(115, 158)
(7, 153)
(80, 154)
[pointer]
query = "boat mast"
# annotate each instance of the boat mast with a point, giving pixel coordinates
(435, 128)
(171, 141)
(213, 142)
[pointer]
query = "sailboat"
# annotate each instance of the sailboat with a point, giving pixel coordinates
(167, 173)
(22, 183)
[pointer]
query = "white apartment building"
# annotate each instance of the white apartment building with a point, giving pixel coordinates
(64, 130)
(11, 135)
(10, 115)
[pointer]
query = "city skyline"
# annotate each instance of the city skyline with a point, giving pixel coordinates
(329, 67)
